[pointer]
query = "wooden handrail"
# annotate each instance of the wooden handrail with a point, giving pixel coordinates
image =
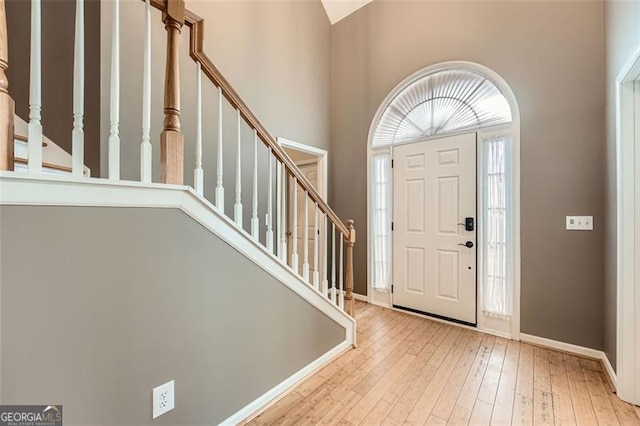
(196, 51)
(6, 103)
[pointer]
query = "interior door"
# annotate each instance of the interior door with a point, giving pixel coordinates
(310, 170)
(434, 252)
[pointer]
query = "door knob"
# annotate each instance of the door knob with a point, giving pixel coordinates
(468, 244)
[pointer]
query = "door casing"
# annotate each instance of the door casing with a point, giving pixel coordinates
(628, 232)
(485, 324)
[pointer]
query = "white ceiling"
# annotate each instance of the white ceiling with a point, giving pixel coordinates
(339, 9)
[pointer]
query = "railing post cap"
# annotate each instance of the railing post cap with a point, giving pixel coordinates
(352, 231)
(175, 9)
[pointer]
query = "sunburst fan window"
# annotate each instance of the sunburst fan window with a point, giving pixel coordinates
(443, 102)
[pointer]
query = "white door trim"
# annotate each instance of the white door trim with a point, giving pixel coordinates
(323, 162)
(514, 165)
(628, 230)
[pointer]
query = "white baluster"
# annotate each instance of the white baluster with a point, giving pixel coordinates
(255, 222)
(237, 208)
(305, 239)
(145, 148)
(270, 206)
(294, 228)
(316, 252)
(35, 90)
(283, 216)
(279, 212)
(219, 187)
(325, 254)
(114, 100)
(341, 275)
(198, 175)
(333, 262)
(77, 135)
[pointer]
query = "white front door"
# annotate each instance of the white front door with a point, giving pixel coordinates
(434, 192)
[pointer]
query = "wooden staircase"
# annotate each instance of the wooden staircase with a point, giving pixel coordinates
(55, 160)
(23, 148)
(35, 171)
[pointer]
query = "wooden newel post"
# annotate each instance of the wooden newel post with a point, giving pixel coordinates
(171, 138)
(6, 103)
(351, 240)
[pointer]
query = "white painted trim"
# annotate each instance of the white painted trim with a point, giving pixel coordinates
(273, 395)
(572, 349)
(515, 170)
(360, 297)
(323, 163)
(287, 143)
(29, 189)
(561, 346)
(628, 231)
(307, 162)
(608, 368)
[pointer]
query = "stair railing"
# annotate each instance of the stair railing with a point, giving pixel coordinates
(330, 271)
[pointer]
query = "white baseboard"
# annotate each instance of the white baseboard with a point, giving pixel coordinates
(610, 371)
(360, 297)
(561, 346)
(272, 396)
(575, 350)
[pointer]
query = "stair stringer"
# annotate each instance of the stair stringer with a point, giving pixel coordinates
(58, 190)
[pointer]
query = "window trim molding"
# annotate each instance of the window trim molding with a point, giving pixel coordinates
(514, 165)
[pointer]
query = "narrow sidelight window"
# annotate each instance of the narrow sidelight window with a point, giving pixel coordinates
(497, 291)
(381, 221)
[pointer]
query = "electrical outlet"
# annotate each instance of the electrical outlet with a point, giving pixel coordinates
(163, 399)
(580, 223)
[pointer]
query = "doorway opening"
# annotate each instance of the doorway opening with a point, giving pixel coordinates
(312, 162)
(443, 234)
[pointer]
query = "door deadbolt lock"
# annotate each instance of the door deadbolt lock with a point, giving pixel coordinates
(468, 244)
(468, 224)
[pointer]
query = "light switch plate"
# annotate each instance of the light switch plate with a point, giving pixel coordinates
(163, 399)
(580, 223)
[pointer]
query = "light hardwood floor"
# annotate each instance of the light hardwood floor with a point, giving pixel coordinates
(412, 370)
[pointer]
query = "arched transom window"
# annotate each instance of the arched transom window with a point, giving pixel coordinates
(446, 101)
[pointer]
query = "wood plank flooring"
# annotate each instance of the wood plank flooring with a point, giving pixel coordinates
(409, 370)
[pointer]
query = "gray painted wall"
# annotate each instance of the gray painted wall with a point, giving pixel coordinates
(622, 38)
(551, 54)
(100, 305)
